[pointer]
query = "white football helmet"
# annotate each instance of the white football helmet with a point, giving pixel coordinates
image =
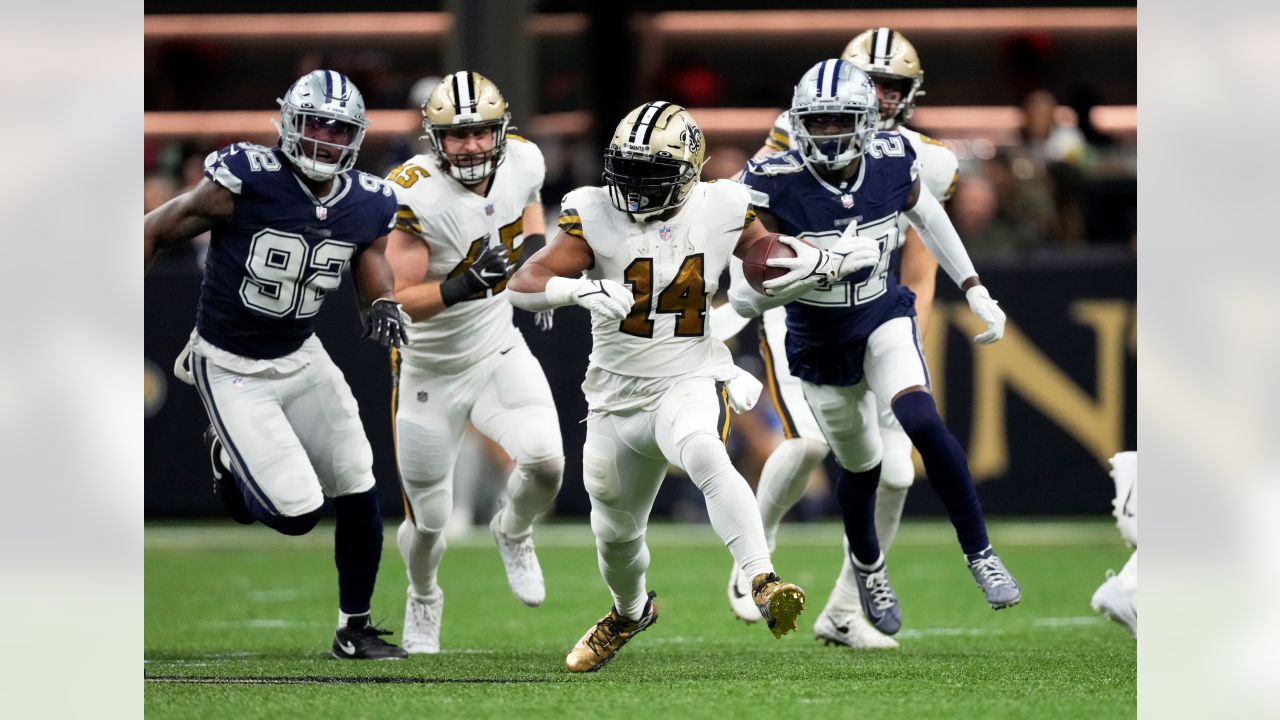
(893, 63)
(836, 94)
(653, 160)
(467, 100)
(322, 103)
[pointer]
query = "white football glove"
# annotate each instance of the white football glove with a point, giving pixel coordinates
(743, 390)
(812, 266)
(983, 306)
(611, 299)
(544, 319)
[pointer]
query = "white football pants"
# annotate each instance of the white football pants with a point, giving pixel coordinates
(294, 437)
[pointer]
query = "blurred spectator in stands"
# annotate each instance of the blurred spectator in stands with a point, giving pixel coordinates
(972, 207)
(1044, 138)
(1023, 214)
(1062, 158)
(1083, 101)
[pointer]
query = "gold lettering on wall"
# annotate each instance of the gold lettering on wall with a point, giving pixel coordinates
(1096, 420)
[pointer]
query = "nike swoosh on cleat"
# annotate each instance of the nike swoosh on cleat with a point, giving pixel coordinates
(347, 648)
(738, 593)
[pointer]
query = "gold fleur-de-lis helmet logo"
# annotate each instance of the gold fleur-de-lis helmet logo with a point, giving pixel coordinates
(691, 136)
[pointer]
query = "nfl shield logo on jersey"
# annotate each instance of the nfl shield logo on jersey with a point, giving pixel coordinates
(665, 233)
(321, 212)
(846, 200)
(488, 209)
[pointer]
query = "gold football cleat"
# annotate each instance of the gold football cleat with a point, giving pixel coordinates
(607, 637)
(780, 602)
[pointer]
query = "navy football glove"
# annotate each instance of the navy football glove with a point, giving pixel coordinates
(384, 324)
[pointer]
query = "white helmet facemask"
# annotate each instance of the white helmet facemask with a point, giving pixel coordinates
(838, 101)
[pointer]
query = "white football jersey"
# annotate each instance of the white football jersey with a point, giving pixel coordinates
(672, 267)
(939, 168)
(457, 225)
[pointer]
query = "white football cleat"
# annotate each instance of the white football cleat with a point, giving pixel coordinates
(851, 629)
(1118, 600)
(422, 623)
(740, 597)
(524, 574)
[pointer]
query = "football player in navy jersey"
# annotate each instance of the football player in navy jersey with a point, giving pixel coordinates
(286, 432)
(851, 328)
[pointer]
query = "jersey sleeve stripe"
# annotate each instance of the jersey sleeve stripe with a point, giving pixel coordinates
(951, 189)
(407, 220)
(571, 222)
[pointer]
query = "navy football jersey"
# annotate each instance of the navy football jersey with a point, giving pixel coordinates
(269, 269)
(828, 327)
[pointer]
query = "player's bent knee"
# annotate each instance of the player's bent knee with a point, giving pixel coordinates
(704, 458)
(897, 472)
(614, 526)
(546, 474)
(293, 524)
(353, 461)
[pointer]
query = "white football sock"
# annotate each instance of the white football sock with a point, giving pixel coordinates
(622, 565)
(889, 504)
(844, 594)
(783, 480)
(732, 509)
(344, 617)
(422, 553)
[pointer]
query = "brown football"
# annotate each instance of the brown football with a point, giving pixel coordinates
(753, 263)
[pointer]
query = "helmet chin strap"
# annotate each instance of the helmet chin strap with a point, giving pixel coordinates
(314, 172)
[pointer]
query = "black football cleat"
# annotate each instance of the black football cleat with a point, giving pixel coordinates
(224, 482)
(362, 640)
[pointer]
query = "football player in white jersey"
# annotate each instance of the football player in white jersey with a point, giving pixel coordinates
(892, 62)
(652, 244)
(470, 211)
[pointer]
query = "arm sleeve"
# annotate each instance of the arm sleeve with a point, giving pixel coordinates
(746, 302)
(940, 236)
(558, 293)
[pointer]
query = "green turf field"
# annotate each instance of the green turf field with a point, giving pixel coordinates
(238, 623)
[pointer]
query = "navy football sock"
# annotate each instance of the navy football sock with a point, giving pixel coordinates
(946, 467)
(357, 548)
(856, 492)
